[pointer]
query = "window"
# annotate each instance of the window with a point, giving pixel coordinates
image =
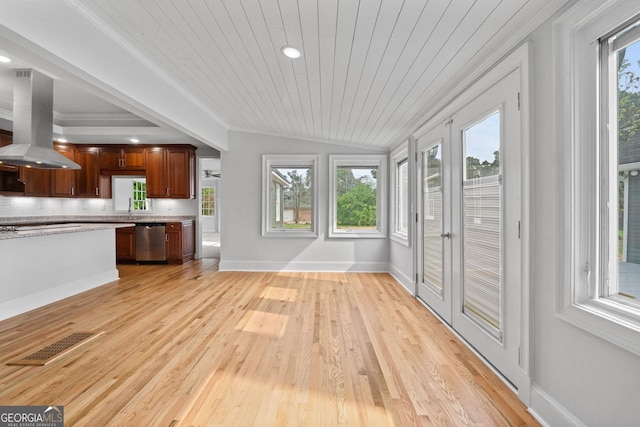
(620, 71)
(598, 80)
(208, 201)
(357, 196)
(289, 195)
(140, 202)
(400, 211)
(130, 194)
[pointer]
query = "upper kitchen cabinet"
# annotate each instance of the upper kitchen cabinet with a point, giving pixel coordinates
(37, 182)
(6, 138)
(170, 172)
(63, 182)
(89, 182)
(122, 159)
(10, 182)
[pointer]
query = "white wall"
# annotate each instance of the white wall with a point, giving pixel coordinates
(243, 247)
(595, 382)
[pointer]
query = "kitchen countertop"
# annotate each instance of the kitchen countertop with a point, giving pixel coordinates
(46, 230)
(60, 219)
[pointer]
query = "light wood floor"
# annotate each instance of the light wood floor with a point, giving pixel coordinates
(187, 345)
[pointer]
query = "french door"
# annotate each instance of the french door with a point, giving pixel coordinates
(469, 172)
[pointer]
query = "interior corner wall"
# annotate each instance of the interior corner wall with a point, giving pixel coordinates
(242, 245)
(578, 378)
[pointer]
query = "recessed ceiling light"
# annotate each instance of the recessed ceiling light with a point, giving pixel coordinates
(291, 52)
(4, 59)
(61, 140)
(134, 140)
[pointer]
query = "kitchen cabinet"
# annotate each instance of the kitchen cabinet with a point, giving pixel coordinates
(89, 182)
(63, 182)
(126, 244)
(6, 138)
(10, 183)
(170, 172)
(180, 242)
(37, 182)
(122, 158)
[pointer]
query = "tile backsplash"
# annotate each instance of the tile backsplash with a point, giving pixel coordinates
(45, 206)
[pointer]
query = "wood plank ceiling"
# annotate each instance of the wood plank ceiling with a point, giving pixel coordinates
(370, 71)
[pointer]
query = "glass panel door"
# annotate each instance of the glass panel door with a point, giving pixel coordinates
(482, 223)
(434, 236)
(486, 295)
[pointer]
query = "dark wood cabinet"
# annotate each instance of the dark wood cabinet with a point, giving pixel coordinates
(188, 240)
(156, 172)
(63, 182)
(121, 158)
(126, 244)
(88, 176)
(6, 138)
(170, 172)
(89, 181)
(10, 182)
(37, 182)
(180, 242)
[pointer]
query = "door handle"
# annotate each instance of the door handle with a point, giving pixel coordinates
(446, 235)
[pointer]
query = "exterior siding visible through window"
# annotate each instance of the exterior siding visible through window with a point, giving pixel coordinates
(289, 195)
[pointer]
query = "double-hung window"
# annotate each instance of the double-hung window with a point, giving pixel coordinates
(208, 198)
(400, 209)
(289, 193)
(357, 196)
(599, 123)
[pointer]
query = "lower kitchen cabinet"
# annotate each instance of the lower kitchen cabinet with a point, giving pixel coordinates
(126, 244)
(180, 242)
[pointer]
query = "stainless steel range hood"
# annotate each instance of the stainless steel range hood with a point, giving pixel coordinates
(33, 124)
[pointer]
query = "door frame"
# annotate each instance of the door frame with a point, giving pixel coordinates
(466, 92)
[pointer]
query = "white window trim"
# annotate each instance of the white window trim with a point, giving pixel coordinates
(288, 161)
(355, 160)
(398, 155)
(577, 132)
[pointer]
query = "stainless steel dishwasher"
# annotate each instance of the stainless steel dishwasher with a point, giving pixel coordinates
(150, 242)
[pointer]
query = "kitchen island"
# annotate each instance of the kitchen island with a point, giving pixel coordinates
(41, 264)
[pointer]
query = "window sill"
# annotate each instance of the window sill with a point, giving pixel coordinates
(345, 234)
(291, 234)
(603, 320)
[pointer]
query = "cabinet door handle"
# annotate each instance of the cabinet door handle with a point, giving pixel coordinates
(73, 191)
(97, 194)
(166, 237)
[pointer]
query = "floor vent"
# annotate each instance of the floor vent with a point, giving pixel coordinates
(56, 350)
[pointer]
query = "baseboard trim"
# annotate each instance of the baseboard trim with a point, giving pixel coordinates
(403, 279)
(39, 299)
(549, 412)
(306, 266)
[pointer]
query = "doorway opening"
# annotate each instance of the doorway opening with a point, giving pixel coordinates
(209, 208)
